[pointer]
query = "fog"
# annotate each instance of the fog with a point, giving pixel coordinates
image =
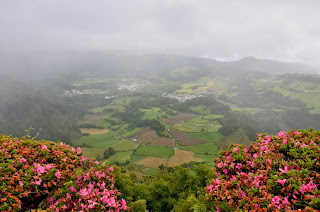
(223, 30)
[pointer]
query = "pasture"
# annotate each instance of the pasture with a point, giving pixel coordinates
(209, 148)
(157, 151)
(184, 138)
(163, 142)
(93, 131)
(124, 145)
(152, 162)
(102, 141)
(182, 156)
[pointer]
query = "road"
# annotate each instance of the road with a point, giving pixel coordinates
(174, 138)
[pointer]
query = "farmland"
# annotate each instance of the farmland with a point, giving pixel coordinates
(193, 121)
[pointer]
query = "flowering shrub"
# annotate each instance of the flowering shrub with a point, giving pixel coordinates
(276, 173)
(50, 176)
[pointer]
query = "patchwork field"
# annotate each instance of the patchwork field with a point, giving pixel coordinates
(209, 148)
(120, 157)
(124, 145)
(93, 131)
(207, 136)
(167, 121)
(102, 141)
(138, 133)
(163, 142)
(153, 113)
(92, 117)
(182, 156)
(188, 127)
(147, 136)
(183, 117)
(157, 151)
(152, 162)
(184, 138)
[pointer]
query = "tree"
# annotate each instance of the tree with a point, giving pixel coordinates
(111, 151)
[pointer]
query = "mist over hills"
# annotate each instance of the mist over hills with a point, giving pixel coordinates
(39, 65)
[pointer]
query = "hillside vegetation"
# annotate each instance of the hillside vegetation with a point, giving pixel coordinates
(277, 173)
(51, 176)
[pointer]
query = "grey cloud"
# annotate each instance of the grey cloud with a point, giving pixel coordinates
(285, 30)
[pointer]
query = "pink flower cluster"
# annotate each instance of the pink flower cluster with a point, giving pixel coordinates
(92, 190)
(280, 172)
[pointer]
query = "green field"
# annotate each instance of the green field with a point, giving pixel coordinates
(90, 152)
(127, 133)
(199, 120)
(120, 157)
(189, 127)
(102, 141)
(207, 136)
(124, 145)
(157, 151)
(310, 99)
(200, 109)
(213, 116)
(153, 113)
(207, 158)
(209, 148)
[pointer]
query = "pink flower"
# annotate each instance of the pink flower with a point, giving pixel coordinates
(111, 168)
(73, 149)
(286, 201)
(57, 174)
(39, 182)
(210, 187)
(235, 149)
(284, 141)
(219, 165)
(22, 160)
(123, 203)
(255, 155)
(233, 178)
(217, 207)
(239, 165)
(268, 160)
(78, 150)
(276, 200)
(68, 196)
(21, 183)
(44, 147)
(50, 200)
(82, 158)
(72, 189)
(103, 184)
(282, 182)
(83, 192)
(48, 167)
(285, 169)
(97, 162)
(40, 169)
(225, 171)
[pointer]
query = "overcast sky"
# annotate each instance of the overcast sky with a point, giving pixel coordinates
(286, 30)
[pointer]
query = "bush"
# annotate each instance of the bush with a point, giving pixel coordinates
(48, 175)
(280, 172)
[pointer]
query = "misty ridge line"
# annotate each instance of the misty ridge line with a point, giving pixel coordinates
(44, 64)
